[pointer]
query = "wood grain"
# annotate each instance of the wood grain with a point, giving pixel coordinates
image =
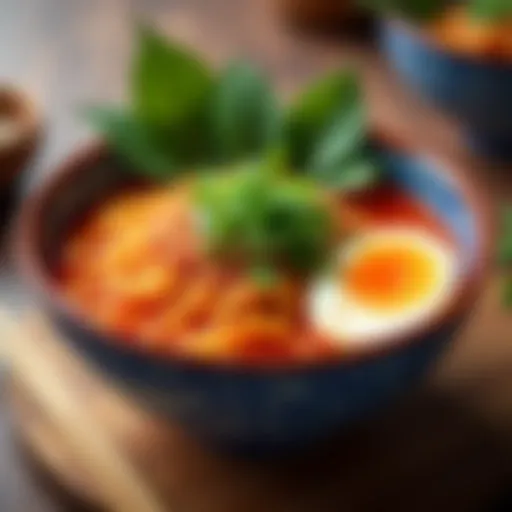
(119, 486)
(444, 445)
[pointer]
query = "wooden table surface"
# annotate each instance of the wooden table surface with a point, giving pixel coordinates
(72, 52)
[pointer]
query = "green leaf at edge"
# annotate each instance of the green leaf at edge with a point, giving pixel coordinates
(168, 82)
(505, 242)
(490, 10)
(507, 293)
(246, 116)
(341, 141)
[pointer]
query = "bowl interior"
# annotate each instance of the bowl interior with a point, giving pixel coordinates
(424, 179)
(90, 181)
(94, 177)
(250, 406)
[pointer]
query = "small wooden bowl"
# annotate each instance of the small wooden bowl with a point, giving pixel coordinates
(322, 15)
(19, 135)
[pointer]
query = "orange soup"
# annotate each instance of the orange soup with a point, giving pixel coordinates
(457, 31)
(137, 268)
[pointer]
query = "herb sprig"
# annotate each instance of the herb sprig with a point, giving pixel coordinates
(505, 253)
(182, 114)
(490, 10)
(259, 164)
(266, 218)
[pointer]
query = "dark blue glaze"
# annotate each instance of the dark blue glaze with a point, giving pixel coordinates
(253, 410)
(476, 91)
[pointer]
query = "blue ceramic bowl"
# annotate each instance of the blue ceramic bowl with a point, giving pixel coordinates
(474, 90)
(247, 408)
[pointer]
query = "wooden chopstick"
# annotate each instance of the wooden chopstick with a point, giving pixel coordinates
(118, 482)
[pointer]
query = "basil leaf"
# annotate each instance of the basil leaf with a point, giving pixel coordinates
(505, 252)
(133, 141)
(351, 176)
(245, 113)
(192, 139)
(490, 10)
(328, 134)
(341, 140)
(168, 82)
(297, 227)
(505, 242)
(181, 118)
(275, 161)
(265, 220)
(315, 110)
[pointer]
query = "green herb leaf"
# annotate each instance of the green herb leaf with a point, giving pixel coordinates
(352, 176)
(192, 139)
(265, 220)
(505, 253)
(343, 138)
(505, 243)
(168, 82)
(297, 226)
(275, 161)
(130, 139)
(490, 10)
(245, 113)
(316, 110)
(423, 10)
(507, 293)
(183, 118)
(327, 131)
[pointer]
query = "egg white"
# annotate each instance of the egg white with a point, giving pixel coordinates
(338, 314)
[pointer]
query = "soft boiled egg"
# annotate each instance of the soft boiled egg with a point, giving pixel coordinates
(383, 282)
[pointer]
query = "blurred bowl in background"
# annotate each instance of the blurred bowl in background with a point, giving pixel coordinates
(475, 90)
(19, 135)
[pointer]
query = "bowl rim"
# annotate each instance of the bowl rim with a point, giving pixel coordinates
(415, 30)
(29, 260)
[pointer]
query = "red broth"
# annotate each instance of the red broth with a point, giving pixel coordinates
(388, 205)
(134, 268)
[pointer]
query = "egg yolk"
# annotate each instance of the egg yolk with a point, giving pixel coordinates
(392, 277)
